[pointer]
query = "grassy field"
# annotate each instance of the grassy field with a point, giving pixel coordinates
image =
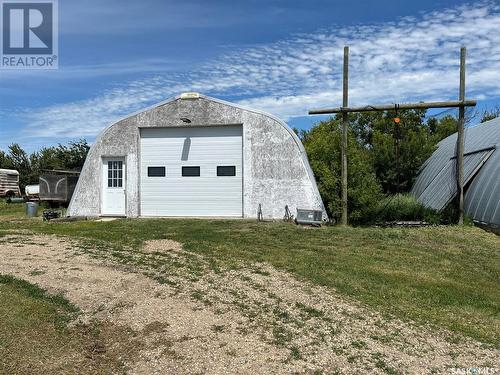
(443, 276)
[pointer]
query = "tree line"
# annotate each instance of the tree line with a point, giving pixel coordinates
(384, 157)
(62, 157)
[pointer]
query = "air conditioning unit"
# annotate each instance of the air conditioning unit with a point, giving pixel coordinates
(309, 217)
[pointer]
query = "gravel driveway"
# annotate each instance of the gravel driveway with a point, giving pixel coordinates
(253, 320)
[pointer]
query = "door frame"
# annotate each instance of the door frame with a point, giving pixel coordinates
(104, 185)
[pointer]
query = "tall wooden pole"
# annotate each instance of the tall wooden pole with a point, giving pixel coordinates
(345, 125)
(460, 140)
(345, 110)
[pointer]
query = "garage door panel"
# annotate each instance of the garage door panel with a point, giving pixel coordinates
(216, 156)
(198, 131)
(204, 195)
(179, 192)
(182, 182)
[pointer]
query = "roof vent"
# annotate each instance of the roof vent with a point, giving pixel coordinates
(190, 95)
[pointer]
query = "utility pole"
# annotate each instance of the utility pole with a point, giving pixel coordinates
(345, 125)
(460, 140)
(397, 141)
(345, 110)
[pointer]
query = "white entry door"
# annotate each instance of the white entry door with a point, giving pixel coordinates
(113, 197)
(192, 171)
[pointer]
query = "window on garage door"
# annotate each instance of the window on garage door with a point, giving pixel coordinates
(190, 171)
(226, 170)
(156, 171)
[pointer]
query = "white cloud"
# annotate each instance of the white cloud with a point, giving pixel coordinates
(411, 59)
(95, 70)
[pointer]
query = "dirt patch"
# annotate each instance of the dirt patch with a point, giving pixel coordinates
(159, 246)
(254, 320)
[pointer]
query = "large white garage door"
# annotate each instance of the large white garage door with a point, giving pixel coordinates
(191, 171)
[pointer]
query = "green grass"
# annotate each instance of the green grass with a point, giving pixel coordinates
(446, 276)
(35, 338)
(31, 326)
(57, 307)
(11, 210)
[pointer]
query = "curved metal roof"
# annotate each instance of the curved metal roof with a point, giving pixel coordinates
(436, 183)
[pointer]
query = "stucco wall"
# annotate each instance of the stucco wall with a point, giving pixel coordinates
(275, 168)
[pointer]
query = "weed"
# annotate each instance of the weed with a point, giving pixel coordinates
(218, 328)
(310, 312)
(281, 314)
(381, 364)
(37, 272)
(352, 358)
(295, 353)
(282, 336)
(359, 344)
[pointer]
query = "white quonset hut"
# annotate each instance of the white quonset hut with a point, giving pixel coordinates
(196, 156)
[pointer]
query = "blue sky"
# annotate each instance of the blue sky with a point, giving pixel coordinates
(118, 56)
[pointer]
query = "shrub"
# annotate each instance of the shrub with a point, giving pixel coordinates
(402, 207)
(322, 144)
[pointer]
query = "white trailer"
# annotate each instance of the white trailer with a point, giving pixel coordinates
(32, 192)
(9, 183)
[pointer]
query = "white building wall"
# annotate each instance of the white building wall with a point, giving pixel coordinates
(276, 171)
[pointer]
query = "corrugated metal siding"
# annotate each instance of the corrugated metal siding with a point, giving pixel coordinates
(482, 196)
(482, 200)
(434, 165)
(443, 187)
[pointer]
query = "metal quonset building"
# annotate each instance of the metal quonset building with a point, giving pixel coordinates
(436, 183)
(195, 156)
